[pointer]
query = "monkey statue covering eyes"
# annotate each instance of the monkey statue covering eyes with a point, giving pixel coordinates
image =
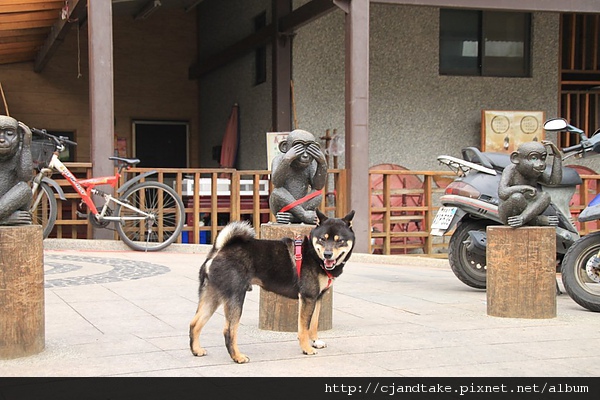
(298, 177)
(16, 171)
(521, 200)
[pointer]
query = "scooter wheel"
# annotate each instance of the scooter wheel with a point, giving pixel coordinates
(580, 270)
(468, 266)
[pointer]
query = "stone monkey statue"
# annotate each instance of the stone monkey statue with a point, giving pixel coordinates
(521, 201)
(16, 171)
(298, 175)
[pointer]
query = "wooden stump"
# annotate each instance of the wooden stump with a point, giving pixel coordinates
(521, 272)
(21, 291)
(278, 313)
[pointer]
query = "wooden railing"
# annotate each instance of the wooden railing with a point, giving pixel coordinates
(401, 211)
(68, 224)
(403, 205)
(211, 197)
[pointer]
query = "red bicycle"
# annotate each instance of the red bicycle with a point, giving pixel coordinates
(148, 216)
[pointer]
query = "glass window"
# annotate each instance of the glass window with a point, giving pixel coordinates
(487, 43)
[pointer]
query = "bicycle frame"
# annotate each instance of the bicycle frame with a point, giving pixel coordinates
(85, 188)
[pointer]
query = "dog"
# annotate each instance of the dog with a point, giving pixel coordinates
(238, 260)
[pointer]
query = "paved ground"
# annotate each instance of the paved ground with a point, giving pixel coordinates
(114, 312)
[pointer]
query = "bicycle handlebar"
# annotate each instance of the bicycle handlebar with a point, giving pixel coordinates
(58, 140)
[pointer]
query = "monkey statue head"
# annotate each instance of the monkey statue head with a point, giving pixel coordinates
(16, 170)
(11, 137)
(530, 159)
(299, 140)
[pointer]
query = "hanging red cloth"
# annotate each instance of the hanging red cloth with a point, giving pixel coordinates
(230, 140)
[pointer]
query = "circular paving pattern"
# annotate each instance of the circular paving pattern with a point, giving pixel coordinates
(78, 270)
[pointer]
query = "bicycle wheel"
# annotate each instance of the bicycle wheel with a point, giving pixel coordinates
(164, 224)
(44, 208)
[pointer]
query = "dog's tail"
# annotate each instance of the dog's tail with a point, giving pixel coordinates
(237, 231)
(234, 232)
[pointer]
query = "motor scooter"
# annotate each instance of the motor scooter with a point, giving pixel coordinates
(470, 205)
(580, 267)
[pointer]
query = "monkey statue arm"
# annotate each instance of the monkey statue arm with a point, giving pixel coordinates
(506, 189)
(25, 169)
(320, 176)
(554, 176)
(282, 164)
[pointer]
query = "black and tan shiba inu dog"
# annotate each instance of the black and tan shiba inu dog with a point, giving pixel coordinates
(239, 260)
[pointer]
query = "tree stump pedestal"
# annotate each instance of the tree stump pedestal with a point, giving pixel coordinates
(22, 324)
(278, 313)
(521, 272)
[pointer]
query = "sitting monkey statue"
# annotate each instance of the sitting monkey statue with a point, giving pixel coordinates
(298, 175)
(521, 200)
(16, 170)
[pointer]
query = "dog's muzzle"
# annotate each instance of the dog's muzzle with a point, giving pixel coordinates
(329, 262)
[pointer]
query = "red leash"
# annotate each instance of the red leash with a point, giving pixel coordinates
(301, 200)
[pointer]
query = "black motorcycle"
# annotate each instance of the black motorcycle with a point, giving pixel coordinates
(470, 205)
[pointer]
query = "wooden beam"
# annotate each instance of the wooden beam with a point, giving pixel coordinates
(15, 34)
(299, 17)
(30, 6)
(5, 48)
(17, 57)
(29, 16)
(58, 33)
(16, 2)
(27, 24)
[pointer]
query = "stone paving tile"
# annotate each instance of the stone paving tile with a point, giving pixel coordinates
(126, 313)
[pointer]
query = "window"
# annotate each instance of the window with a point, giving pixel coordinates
(484, 43)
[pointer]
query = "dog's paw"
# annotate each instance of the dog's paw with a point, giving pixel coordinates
(309, 352)
(319, 344)
(241, 359)
(199, 352)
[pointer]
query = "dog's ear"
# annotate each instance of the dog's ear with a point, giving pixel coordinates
(321, 217)
(348, 218)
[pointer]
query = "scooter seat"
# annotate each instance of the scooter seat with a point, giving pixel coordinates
(499, 161)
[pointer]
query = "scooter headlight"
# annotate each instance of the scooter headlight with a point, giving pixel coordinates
(462, 189)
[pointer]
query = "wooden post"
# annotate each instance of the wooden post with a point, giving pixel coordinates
(278, 313)
(21, 291)
(521, 272)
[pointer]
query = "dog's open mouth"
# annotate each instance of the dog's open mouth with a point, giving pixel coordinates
(330, 263)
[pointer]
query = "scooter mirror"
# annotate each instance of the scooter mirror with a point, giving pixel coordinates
(555, 124)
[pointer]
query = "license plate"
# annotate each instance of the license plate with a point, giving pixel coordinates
(443, 218)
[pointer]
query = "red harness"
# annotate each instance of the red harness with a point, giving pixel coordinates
(298, 257)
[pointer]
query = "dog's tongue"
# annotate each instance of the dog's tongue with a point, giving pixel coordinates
(329, 264)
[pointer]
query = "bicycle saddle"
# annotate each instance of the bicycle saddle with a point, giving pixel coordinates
(130, 161)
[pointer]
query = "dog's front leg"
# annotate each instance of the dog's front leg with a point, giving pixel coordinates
(305, 315)
(314, 327)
